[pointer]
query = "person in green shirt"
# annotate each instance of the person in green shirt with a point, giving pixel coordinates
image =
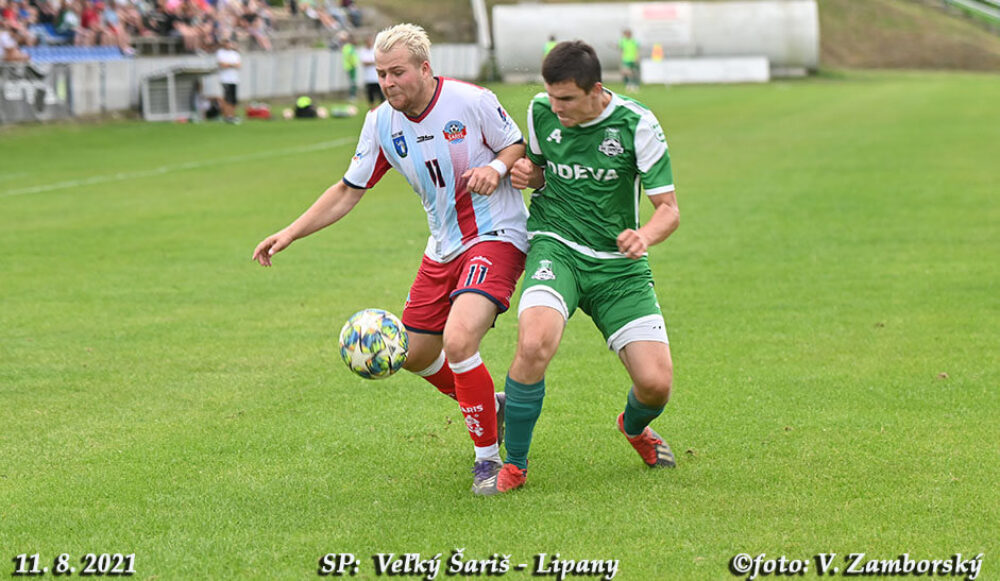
(590, 155)
(630, 60)
(352, 61)
(550, 44)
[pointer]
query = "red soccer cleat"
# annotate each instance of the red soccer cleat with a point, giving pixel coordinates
(650, 446)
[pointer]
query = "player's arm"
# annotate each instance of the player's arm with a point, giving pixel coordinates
(666, 218)
(525, 174)
(529, 172)
(331, 206)
(485, 180)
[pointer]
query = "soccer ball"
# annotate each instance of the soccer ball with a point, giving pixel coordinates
(373, 343)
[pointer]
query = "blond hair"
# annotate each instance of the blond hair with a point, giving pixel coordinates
(411, 36)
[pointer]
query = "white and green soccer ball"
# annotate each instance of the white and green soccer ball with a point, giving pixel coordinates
(373, 343)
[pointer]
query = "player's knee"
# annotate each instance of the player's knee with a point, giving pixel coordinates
(536, 349)
(419, 358)
(654, 386)
(459, 344)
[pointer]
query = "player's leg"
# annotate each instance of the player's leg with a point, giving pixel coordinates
(488, 274)
(547, 301)
(621, 300)
(471, 316)
(424, 317)
(651, 369)
(539, 331)
(426, 358)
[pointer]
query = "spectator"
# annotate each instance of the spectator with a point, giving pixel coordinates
(18, 18)
(68, 22)
(188, 25)
(550, 44)
(322, 17)
(337, 13)
(9, 47)
(90, 21)
(113, 31)
(255, 20)
(367, 57)
(229, 61)
(353, 12)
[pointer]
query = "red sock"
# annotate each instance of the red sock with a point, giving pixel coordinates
(440, 376)
(474, 387)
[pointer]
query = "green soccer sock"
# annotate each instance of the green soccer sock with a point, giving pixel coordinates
(524, 405)
(638, 415)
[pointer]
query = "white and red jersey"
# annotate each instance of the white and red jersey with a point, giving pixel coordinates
(463, 127)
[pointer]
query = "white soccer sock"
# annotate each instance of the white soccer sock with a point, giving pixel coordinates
(488, 453)
(433, 368)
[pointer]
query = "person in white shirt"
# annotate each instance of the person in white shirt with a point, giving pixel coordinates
(453, 142)
(229, 61)
(10, 51)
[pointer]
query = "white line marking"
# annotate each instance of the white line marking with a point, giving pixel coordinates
(119, 177)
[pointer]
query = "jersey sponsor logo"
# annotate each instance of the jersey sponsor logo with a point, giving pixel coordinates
(423, 138)
(582, 172)
(544, 271)
(612, 145)
(472, 409)
(556, 136)
(400, 144)
(454, 132)
(358, 155)
(503, 116)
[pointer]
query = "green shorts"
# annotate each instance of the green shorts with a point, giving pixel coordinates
(616, 293)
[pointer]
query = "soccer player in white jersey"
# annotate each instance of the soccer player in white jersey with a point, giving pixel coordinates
(590, 155)
(453, 142)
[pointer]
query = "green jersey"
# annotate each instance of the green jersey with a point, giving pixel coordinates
(350, 56)
(593, 173)
(630, 50)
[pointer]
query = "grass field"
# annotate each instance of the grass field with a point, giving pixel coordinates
(831, 296)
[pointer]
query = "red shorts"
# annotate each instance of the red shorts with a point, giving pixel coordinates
(488, 268)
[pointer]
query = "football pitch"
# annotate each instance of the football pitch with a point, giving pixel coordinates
(832, 298)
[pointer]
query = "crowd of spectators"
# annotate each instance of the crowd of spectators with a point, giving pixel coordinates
(201, 25)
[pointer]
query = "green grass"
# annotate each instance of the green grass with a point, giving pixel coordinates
(837, 255)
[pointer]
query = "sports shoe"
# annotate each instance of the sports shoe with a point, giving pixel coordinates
(485, 476)
(507, 478)
(650, 446)
(501, 408)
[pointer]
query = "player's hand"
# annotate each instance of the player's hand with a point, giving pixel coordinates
(632, 244)
(482, 180)
(270, 246)
(521, 173)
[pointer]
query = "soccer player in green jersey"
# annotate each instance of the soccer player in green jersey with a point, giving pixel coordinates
(591, 153)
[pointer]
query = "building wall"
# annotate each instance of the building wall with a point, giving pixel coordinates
(784, 31)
